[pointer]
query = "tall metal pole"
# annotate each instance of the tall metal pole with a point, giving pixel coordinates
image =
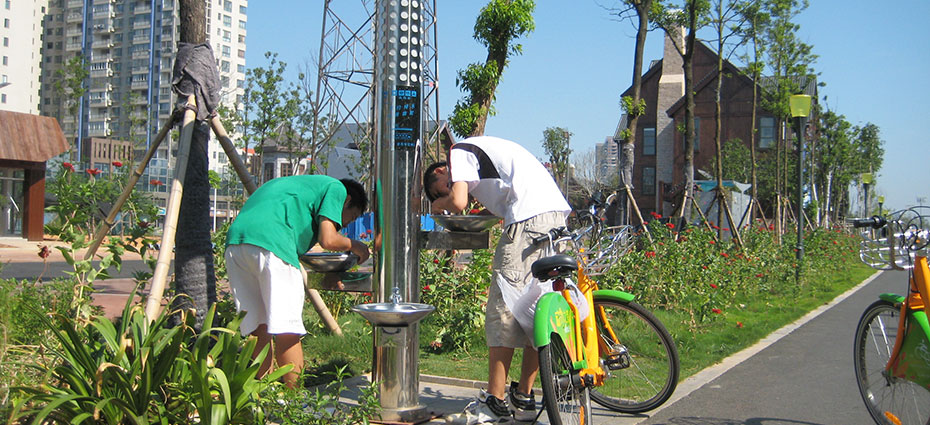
(399, 38)
(799, 127)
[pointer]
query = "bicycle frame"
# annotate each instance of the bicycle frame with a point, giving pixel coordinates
(556, 312)
(910, 358)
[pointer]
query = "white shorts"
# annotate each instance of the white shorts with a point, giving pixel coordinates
(270, 291)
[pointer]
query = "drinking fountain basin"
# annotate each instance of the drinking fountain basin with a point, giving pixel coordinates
(393, 314)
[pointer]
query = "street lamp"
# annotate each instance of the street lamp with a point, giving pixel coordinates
(800, 105)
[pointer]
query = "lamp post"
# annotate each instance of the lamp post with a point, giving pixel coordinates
(800, 105)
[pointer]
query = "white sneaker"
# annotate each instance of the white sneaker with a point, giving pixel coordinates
(485, 409)
(522, 405)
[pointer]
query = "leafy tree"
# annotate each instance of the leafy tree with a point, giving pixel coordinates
(725, 20)
(673, 20)
(634, 106)
(755, 18)
(789, 61)
(269, 105)
(309, 115)
(498, 25)
(556, 143)
(70, 88)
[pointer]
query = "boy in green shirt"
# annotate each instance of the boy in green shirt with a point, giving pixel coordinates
(283, 219)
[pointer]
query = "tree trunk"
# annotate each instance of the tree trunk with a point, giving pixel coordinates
(500, 60)
(195, 278)
(687, 65)
(627, 147)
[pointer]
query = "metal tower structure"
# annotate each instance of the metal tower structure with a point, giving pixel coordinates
(346, 74)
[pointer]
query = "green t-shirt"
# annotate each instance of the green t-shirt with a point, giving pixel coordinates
(284, 215)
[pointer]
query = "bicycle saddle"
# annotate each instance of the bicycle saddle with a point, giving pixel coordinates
(551, 267)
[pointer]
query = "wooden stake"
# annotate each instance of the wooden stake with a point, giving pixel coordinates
(104, 228)
(320, 306)
(172, 209)
(233, 156)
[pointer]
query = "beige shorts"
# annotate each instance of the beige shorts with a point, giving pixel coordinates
(513, 259)
(270, 291)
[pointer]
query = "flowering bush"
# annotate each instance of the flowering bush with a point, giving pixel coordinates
(459, 293)
(84, 199)
(691, 271)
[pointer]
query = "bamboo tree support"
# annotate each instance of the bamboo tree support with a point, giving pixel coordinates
(734, 227)
(639, 214)
(233, 156)
(703, 218)
(315, 298)
(104, 228)
(160, 277)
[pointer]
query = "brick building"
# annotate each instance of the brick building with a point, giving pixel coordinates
(658, 171)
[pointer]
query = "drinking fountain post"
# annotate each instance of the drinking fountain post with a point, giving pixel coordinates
(398, 104)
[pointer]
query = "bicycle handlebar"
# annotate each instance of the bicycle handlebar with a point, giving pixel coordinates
(875, 222)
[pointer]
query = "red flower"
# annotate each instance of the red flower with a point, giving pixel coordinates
(650, 254)
(361, 235)
(726, 229)
(367, 294)
(714, 227)
(704, 267)
(711, 242)
(713, 285)
(93, 171)
(155, 182)
(368, 231)
(724, 255)
(426, 288)
(758, 274)
(771, 227)
(117, 164)
(474, 211)
(670, 225)
(68, 165)
(716, 310)
(656, 215)
(44, 252)
(435, 261)
(739, 324)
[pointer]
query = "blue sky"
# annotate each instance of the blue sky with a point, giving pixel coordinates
(874, 59)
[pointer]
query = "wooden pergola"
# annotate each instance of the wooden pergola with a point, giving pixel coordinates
(26, 142)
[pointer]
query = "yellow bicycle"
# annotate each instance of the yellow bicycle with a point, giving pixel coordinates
(616, 353)
(892, 346)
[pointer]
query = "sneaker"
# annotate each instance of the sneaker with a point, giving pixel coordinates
(522, 405)
(484, 410)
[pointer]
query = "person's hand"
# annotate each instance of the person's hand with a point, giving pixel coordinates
(360, 249)
(436, 208)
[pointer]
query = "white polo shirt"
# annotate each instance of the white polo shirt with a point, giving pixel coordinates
(506, 178)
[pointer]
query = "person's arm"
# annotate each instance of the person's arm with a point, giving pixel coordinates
(454, 202)
(332, 240)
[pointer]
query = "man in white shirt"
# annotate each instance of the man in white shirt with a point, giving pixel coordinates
(510, 183)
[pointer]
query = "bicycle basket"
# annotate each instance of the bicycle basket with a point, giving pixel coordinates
(604, 251)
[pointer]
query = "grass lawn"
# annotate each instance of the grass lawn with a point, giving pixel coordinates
(699, 345)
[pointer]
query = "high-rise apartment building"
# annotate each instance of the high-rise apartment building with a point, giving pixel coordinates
(605, 158)
(20, 45)
(129, 47)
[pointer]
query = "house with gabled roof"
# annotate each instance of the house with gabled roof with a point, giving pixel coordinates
(659, 157)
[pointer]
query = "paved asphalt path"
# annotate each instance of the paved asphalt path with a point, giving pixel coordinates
(804, 378)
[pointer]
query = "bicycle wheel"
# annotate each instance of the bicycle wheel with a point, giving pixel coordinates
(638, 355)
(567, 402)
(890, 400)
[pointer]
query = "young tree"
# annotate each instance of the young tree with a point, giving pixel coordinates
(673, 21)
(756, 18)
(556, 143)
(195, 278)
(498, 25)
(789, 61)
(69, 86)
(268, 103)
(633, 106)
